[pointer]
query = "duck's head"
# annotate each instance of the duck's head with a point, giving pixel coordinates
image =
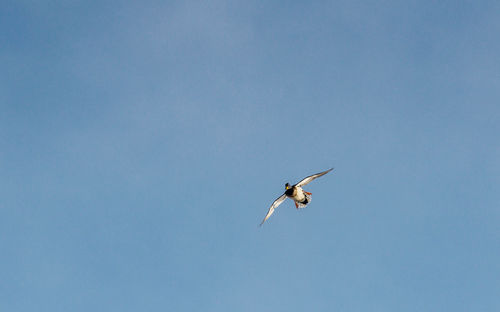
(287, 186)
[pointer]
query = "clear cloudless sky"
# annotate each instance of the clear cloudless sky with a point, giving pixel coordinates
(142, 142)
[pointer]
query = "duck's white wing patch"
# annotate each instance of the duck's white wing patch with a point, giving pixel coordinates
(275, 204)
(312, 177)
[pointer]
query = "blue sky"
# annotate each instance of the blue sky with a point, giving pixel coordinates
(142, 144)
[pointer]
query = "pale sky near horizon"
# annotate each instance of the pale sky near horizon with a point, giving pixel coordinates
(143, 142)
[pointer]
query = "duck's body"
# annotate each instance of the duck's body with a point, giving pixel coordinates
(298, 195)
(295, 192)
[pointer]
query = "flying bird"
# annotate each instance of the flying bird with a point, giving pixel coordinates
(295, 192)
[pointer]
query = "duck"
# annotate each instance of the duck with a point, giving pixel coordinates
(295, 192)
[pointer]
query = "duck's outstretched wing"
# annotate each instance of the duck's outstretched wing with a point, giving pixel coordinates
(312, 177)
(275, 204)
